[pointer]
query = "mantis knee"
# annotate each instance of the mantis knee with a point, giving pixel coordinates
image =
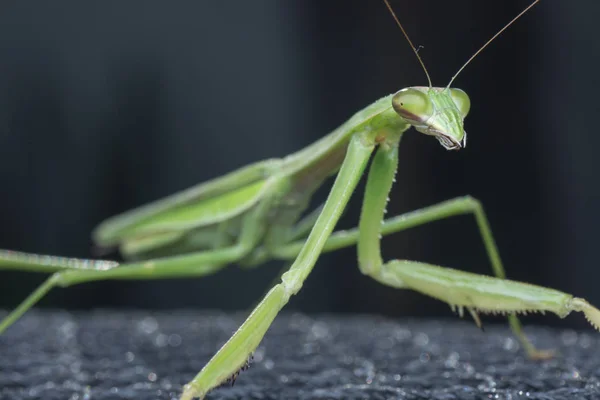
(472, 202)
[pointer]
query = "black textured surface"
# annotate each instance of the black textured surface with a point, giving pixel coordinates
(139, 355)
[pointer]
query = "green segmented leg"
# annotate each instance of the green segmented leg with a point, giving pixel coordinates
(480, 293)
(188, 265)
(458, 206)
(446, 209)
(349, 237)
(48, 264)
(379, 183)
(234, 354)
(450, 208)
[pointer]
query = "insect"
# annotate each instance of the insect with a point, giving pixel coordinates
(256, 213)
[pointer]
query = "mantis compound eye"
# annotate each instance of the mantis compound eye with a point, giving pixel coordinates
(462, 101)
(413, 105)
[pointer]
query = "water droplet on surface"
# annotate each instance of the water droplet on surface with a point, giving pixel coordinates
(452, 360)
(148, 325)
(585, 341)
(161, 340)
(268, 364)
(319, 331)
(421, 339)
(510, 344)
(569, 337)
(174, 340)
(469, 369)
(402, 334)
(259, 354)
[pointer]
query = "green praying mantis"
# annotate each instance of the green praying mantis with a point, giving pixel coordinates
(257, 213)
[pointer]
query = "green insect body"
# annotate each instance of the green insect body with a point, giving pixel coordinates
(255, 214)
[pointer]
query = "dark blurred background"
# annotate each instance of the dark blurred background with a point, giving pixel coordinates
(107, 105)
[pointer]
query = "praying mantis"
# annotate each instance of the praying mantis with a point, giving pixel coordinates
(256, 214)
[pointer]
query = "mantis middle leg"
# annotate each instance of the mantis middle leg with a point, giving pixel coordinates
(446, 209)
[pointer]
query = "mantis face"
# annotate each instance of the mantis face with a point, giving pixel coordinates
(437, 112)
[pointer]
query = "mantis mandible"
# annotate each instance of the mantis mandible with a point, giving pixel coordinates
(256, 213)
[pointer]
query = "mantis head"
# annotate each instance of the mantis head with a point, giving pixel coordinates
(436, 112)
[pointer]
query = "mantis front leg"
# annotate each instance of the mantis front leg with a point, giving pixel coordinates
(459, 289)
(235, 353)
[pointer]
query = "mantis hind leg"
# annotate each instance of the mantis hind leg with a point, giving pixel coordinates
(182, 266)
(190, 265)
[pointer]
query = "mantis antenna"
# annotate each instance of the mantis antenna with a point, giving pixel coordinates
(489, 41)
(409, 41)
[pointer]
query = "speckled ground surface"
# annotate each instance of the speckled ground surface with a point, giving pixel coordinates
(139, 355)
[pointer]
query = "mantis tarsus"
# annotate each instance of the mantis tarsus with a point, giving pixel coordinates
(255, 214)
